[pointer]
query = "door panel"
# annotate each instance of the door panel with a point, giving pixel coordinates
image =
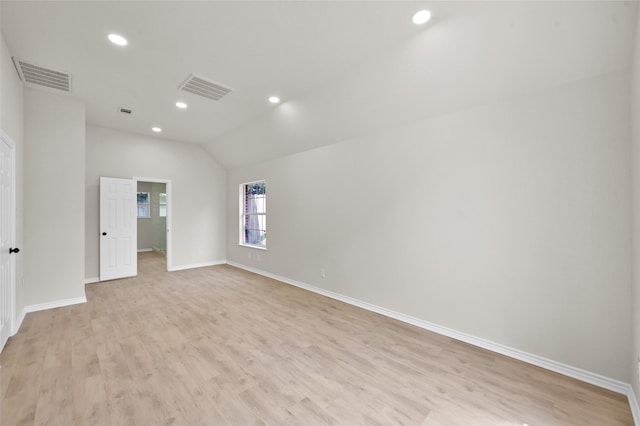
(118, 228)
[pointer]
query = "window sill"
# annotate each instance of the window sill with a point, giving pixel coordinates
(253, 247)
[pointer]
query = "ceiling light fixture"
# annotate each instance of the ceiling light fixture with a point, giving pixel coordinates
(421, 17)
(117, 39)
(274, 99)
(156, 129)
(181, 105)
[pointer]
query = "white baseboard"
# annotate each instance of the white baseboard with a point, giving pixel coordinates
(18, 323)
(42, 307)
(197, 265)
(170, 269)
(633, 403)
(144, 250)
(55, 304)
(567, 370)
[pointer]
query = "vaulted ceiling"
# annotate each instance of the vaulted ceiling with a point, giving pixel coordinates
(341, 69)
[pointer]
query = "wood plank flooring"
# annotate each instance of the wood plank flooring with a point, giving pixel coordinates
(221, 346)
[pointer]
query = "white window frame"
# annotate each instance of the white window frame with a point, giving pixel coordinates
(241, 217)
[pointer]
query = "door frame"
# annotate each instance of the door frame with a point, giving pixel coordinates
(4, 138)
(168, 230)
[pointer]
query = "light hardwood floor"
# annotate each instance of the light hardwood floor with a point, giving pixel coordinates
(221, 346)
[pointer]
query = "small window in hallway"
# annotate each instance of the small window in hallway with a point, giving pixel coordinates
(253, 220)
(143, 205)
(162, 202)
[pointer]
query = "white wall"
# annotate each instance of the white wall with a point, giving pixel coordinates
(54, 197)
(198, 191)
(635, 113)
(12, 123)
(508, 221)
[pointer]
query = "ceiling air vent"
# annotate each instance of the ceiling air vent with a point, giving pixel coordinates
(40, 76)
(204, 87)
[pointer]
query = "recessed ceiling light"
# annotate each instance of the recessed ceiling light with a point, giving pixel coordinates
(274, 99)
(117, 39)
(181, 105)
(156, 129)
(421, 17)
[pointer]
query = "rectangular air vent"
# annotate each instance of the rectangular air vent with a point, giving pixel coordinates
(204, 87)
(41, 76)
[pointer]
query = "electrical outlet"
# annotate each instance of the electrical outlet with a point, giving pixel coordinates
(258, 257)
(249, 255)
(323, 273)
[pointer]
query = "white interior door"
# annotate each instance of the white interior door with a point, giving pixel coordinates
(7, 239)
(118, 228)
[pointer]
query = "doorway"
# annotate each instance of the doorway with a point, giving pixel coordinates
(154, 217)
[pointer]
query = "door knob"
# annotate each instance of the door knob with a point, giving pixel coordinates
(14, 250)
(104, 233)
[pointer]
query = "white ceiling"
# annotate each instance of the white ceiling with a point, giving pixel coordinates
(483, 52)
(257, 48)
(342, 68)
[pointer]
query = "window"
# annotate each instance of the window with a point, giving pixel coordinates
(143, 205)
(162, 202)
(253, 221)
